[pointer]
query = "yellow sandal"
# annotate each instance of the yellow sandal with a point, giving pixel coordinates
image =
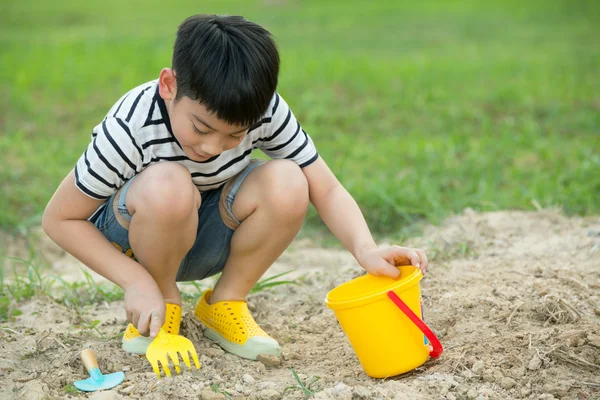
(231, 326)
(134, 342)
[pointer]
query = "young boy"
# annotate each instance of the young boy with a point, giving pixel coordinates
(166, 190)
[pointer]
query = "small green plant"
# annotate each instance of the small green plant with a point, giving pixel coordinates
(92, 326)
(2, 277)
(270, 282)
(192, 297)
(101, 292)
(215, 388)
(81, 293)
(307, 387)
(440, 251)
(7, 311)
(20, 289)
(69, 388)
(72, 295)
(23, 288)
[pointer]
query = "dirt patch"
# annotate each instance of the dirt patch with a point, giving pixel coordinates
(514, 297)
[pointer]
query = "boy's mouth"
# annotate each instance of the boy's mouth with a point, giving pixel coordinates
(200, 156)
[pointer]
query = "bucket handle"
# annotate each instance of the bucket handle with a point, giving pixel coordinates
(437, 349)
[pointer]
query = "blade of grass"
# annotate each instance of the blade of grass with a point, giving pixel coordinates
(271, 282)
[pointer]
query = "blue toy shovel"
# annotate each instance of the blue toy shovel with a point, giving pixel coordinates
(97, 381)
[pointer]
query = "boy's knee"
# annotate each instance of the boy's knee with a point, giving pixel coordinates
(286, 188)
(166, 190)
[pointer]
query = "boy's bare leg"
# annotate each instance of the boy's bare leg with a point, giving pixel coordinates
(164, 204)
(271, 204)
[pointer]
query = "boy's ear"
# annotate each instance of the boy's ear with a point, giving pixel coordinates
(167, 84)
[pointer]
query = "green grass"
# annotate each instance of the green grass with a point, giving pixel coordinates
(29, 278)
(420, 108)
(71, 389)
(215, 388)
(271, 282)
(307, 387)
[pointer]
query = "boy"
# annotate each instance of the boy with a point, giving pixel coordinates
(166, 190)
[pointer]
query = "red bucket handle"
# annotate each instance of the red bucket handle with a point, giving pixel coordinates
(437, 349)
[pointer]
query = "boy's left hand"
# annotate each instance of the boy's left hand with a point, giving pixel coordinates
(383, 261)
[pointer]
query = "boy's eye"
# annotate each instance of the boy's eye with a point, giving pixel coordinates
(237, 137)
(198, 131)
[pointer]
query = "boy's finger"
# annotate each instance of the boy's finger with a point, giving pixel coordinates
(135, 318)
(392, 272)
(414, 258)
(155, 323)
(399, 255)
(423, 258)
(143, 323)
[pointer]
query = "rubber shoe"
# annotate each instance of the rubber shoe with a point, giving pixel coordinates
(135, 343)
(231, 326)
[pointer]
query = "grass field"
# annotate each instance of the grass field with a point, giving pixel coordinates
(421, 108)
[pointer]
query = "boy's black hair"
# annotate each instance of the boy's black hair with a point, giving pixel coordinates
(229, 64)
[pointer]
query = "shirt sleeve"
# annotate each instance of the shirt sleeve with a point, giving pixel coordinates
(111, 159)
(283, 137)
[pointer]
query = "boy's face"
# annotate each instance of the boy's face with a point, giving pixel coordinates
(201, 134)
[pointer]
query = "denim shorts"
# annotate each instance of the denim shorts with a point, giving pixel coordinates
(216, 225)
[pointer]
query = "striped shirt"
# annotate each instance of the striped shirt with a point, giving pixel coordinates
(137, 133)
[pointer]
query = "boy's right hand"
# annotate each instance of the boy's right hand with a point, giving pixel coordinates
(145, 306)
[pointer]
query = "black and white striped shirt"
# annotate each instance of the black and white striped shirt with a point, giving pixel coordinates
(137, 133)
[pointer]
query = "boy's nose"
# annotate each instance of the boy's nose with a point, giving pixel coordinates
(209, 149)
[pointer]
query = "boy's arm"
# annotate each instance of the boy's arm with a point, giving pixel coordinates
(65, 222)
(343, 217)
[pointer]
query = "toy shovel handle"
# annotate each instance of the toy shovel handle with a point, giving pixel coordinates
(435, 343)
(88, 356)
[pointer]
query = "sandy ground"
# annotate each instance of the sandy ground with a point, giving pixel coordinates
(514, 297)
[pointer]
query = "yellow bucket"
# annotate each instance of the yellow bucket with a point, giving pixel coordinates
(382, 318)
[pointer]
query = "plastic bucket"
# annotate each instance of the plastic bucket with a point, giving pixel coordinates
(382, 318)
